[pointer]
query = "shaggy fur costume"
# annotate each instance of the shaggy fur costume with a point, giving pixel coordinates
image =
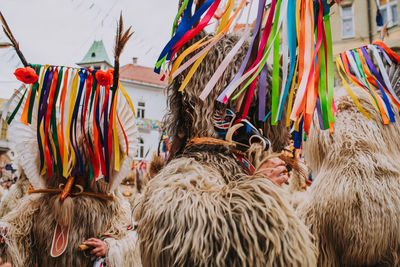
(28, 242)
(354, 204)
(28, 229)
(202, 208)
(15, 193)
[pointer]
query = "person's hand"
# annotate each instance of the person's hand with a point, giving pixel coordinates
(275, 170)
(5, 264)
(100, 247)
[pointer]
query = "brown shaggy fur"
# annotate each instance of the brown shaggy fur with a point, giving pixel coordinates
(202, 209)
(31, 225)
(34, 229)
(354, 204)
(189, 117)
(156, 164)
(15, 193)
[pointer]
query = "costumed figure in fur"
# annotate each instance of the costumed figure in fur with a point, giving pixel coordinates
(211, 205)
(15, 193)
(74, 215)
(353, 208)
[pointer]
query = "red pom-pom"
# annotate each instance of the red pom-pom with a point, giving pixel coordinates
(26, 75)
(104, 78)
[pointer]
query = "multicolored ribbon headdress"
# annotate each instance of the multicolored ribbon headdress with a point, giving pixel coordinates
(306, 51)
(358, 65)
(78, 116)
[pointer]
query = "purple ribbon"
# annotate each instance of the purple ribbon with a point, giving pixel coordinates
(246, 59)
(42, 110)
(262, 92)
(379, 81)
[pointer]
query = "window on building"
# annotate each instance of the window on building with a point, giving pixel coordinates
(140, 110)
(346, 13)
(388, 9)
(93, 54)
(140, 150)
(4, 127)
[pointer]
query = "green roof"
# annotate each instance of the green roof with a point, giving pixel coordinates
(96, 54)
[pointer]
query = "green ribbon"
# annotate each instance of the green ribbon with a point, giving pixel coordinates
(322, 88)
(329, 65)
(275, 80)
(17, 108)
(361, 71)
(53, 122)
(266, 51)
(181, 9)
(35, 88)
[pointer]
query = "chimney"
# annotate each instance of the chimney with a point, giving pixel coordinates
(134, 60)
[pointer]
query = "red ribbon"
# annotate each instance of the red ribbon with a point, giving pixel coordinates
(47, 124)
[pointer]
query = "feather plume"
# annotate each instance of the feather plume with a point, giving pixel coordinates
(24, 143)
(121, 39)
(130, 128)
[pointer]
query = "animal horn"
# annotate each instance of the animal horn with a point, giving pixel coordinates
(231, 130)
(12, 39)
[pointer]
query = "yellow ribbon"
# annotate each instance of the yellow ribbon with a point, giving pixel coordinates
(74, 89)
(340, 67)
(182, 56)
(115, 134)
(128, 99)
(200, 59)
(225, 17)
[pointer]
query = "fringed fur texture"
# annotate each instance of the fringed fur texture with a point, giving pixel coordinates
(123, 252)
(354, 204)
(189, 116)
(15, 193)
(202, 210)
(32, 223)
(156, 164)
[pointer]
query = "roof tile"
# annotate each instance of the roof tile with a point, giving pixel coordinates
(141, 74)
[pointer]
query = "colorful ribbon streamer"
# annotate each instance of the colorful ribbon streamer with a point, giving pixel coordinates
(85, 110)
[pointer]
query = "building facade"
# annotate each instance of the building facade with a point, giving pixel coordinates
(360, 22)
(146, 91)
(148, 94)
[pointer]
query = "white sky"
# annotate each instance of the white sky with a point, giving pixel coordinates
(60, 32)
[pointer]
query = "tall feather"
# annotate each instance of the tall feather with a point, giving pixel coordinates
(12, 39)
(121, 39)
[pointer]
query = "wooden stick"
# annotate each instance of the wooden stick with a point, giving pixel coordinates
(83, 247)
(12, 39)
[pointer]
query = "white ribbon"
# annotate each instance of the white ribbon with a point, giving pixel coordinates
(382, 69)
(222, 67)
(17, 92)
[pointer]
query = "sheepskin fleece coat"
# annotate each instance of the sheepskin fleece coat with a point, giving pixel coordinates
(353, 208)
(28, 230)
(15, 193)
(202, 209)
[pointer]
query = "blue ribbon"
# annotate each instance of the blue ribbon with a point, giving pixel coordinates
(42, 108)
(291, 15)
(82, 75)
(186, 24)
